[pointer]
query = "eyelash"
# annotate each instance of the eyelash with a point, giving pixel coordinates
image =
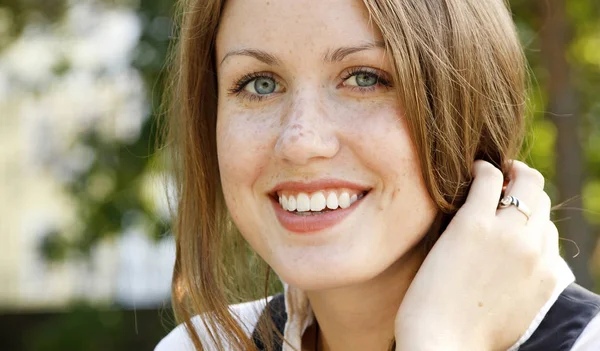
(382, 81)
(239, 87)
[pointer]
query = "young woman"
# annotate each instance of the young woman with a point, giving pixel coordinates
(363, 150)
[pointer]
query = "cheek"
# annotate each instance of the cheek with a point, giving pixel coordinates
(407, 198)
(383, 143)
(385, 146)
(243, 146)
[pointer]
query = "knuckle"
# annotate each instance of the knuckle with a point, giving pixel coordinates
(479, 163)
(545, 204)
(518, 167)
(551, 232)
(486, 169)
(545, 199)
(479, 167)
(519, 164)
(524, 249)
(551, 227)
(537, 177)
(496, 174)
(530, 254)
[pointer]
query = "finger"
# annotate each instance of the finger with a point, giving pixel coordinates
(541, 215)
(521, 167)
(539, 229)
(485, 189)
(526, 185)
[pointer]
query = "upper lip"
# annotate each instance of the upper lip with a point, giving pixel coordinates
(316, 185)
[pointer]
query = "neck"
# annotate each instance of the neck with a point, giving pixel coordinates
(361, 317)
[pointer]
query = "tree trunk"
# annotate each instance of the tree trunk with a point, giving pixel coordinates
(562, 110)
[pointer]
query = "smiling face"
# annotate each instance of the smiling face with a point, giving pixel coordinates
(317, 166)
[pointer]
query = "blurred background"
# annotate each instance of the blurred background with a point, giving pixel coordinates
(85, 250)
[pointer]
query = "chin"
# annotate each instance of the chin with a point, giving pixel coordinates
(325, 280)
(331, 271)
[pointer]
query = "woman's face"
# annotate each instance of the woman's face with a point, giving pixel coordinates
(308, 116)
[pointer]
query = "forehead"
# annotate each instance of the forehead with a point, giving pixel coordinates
(293, 27)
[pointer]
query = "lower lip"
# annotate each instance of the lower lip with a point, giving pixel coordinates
(312, 223)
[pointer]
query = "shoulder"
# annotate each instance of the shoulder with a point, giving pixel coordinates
(247, 315)
(589, 339)
(571, 323)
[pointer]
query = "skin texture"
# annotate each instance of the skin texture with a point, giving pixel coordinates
(318, 124)
(313, 129)
(489, 273)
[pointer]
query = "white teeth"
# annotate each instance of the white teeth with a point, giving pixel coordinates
(317, 202)
(284, 202)
(332, 201)
(344, 200)
(291, 205)
(302, 203)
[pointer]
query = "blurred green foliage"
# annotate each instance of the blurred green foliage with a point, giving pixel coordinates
(16, 14)
(562, 43)
(85, 328)
(121, 166)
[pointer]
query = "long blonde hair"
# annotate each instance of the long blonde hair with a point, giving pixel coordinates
(460, 76)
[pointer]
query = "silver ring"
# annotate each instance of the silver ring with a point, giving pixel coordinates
(508, 201)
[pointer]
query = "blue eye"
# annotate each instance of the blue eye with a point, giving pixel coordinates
(262, 86)
(257, 86)
(363, 79)
(366, 79)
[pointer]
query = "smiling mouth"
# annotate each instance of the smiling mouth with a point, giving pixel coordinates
(312, 207)
(302, 204)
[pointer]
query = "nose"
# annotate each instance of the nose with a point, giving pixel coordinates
(307, 133)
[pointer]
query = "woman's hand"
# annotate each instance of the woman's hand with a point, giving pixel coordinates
(490, 272)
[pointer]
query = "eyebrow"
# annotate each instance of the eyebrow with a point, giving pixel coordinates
(330, 56)
(339, 54)
(260, 55)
